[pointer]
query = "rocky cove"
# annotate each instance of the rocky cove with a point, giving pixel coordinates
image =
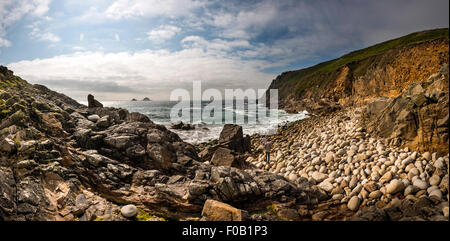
(61, 160)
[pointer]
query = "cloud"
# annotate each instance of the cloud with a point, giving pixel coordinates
(117, 37)
(42, 35)
(215, 44)
(163, 33)
(4, 42)
(79, 48)
(81, 37)
(151, 8)
(155, 73)
(12, 11)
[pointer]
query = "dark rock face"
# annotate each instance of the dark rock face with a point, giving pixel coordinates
(232, 137)
(225, 157)
(93, 103)
(8, 205)
(418, 118)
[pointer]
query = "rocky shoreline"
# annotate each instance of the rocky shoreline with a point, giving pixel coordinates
(60, 160)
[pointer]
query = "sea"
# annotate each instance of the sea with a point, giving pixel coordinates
(252, 116)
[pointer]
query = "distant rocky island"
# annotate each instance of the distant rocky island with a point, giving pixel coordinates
(376, 149)
(145, 99)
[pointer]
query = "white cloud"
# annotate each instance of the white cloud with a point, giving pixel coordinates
(4, 42)
(79, 48)
(49, 37)
(155, 73)
(12, 11)
(151, 8)
(117, 37)
(42, 35)
(163, 33)
(215, 44)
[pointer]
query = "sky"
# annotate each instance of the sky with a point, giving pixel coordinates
(123, 49)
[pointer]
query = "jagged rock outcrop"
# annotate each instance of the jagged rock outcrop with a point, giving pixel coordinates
(92, 102)
(418, 118)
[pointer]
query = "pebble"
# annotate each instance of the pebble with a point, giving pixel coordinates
(337, 196)
(407, 161)
(375, 194)
(386, 177)
(319, 177)
(410, 190)
(394, 186)
(421, 185)
(329, 157)
(326, 186)
(353, 182)
(445, 211)
(129, 211)
(93, 118)
(439, 163)
(353, 204)
(293, 177)
(435, 180)
(436, 193)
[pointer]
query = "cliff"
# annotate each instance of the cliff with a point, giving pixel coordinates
(386, 70)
